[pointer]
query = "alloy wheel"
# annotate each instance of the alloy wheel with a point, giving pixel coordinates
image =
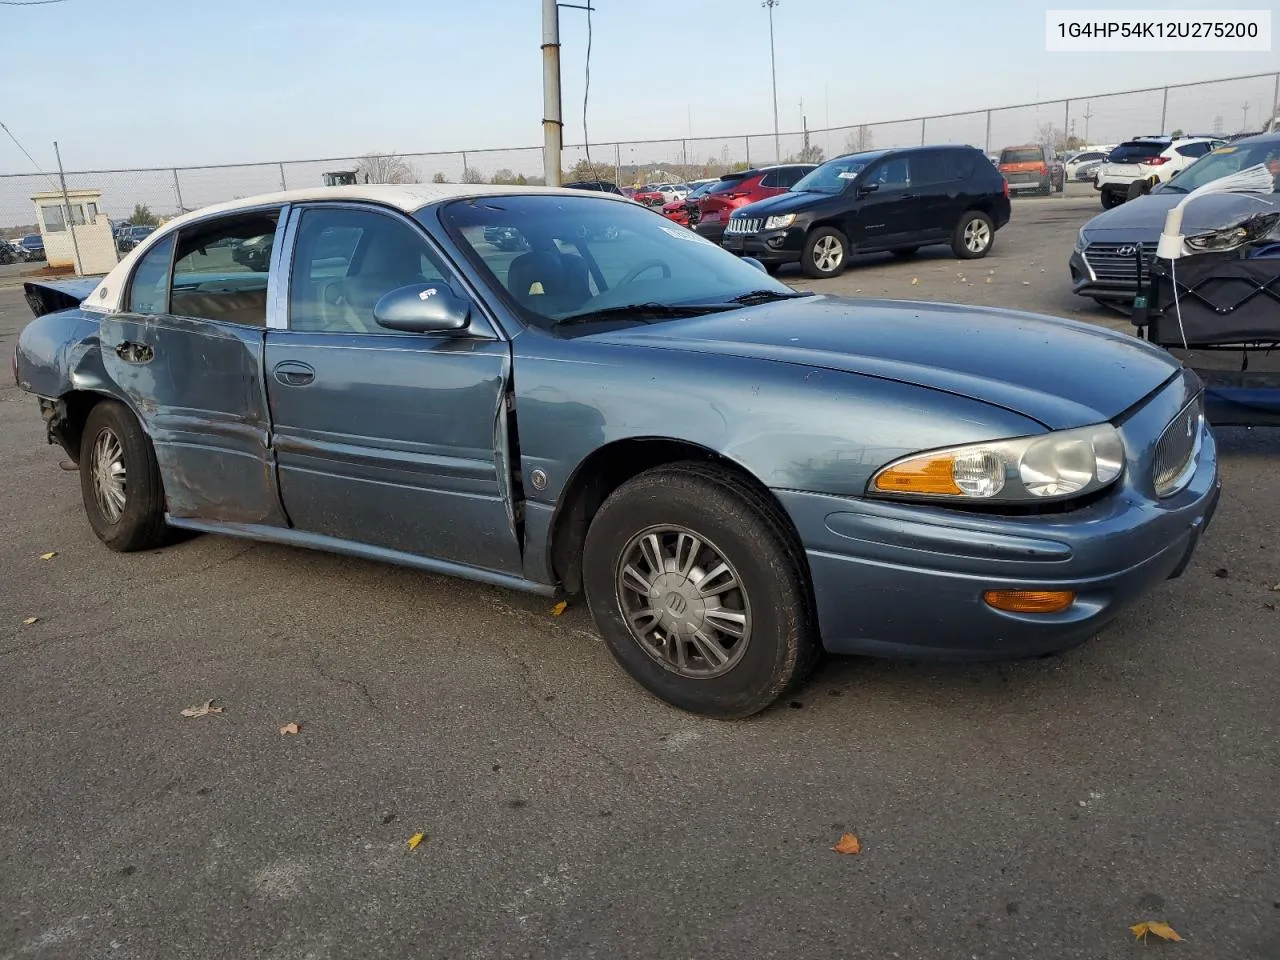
(107, 469)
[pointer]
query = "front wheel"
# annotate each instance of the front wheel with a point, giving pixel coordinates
(120, 480)
(825, 252)
(975, 233)
(699, 590)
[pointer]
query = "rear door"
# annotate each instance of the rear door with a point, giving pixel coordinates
(890, 215)
(392, 440)
(187, 353)
(936, 177)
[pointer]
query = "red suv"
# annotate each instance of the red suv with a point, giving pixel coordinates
(738, 189)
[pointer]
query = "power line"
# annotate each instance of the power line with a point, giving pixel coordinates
(15, 139)
(28, 3)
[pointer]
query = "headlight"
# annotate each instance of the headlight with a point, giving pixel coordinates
(1052, 466)
(780, 223)
(1255, 228)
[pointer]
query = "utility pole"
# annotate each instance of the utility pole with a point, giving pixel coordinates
(773, 69)
(552, 124)
(1087, 115)
(1244, 117)
(71, 220)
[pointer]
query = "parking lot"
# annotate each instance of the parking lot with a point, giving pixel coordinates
(1026, 810)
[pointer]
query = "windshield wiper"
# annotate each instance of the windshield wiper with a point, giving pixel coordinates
(766, 296)
(644, 312)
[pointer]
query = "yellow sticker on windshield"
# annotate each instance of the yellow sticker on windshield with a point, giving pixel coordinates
(1226, 150)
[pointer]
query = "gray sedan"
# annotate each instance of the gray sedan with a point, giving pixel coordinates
(733, 475)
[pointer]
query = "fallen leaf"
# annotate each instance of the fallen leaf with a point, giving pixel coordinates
(1269, 606)
(849, 844)
(289, 728)
(1026, 283)
(1274, 588)
(48, 556)
(1155, 927)
(914, 281)
(988, 280)
(559, 608)
(205, 708)
(416, 839)
(30, 620)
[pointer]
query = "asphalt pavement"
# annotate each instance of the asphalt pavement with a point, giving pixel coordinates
(1026, 810)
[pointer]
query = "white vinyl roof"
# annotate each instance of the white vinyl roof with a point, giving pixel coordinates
(407, 197)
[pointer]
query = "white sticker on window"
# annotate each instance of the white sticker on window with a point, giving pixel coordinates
(686, 235)
(848, 175)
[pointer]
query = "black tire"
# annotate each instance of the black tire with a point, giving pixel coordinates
(1110, 199)
(809, 259)
(905, 253)
(1062, 185)
(960, 240)
(747, 531)
(140, 525)
(1046, 188)
(772, 268)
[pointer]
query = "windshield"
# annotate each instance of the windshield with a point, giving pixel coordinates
(1227, 160)
(834, 175)
(577, 256)
(1022, 155)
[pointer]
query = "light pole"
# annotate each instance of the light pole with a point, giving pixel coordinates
(773, 69)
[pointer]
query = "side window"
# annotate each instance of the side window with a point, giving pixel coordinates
(772, 179)
(930, 167)
(345, 261)
(894, 174)
(149, 288)
(220, 269)
(1194, 149)
(793, 176)
(962, 164)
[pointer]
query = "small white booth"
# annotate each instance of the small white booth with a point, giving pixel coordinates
(78, 237)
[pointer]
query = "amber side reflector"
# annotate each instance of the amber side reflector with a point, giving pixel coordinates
(1030, 601)
(919, 476)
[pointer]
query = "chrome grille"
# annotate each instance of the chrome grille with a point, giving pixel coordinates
(1110, 265)
(1179, 449)
(744, 225)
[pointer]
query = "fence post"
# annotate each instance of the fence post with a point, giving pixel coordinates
(1275, 106)
(177, 189)
(1164, 111)
(617, 164)
(464, 166)
(923, 122)
(1066, 127)
(987, 147)
(283, 184)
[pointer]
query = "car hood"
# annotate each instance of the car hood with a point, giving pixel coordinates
(1061, 373)
(1143, 217)
(789, 202)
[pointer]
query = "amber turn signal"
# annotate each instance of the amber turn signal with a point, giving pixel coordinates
(921, 476)
(1030, 601)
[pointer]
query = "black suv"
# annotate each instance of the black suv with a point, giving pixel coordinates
(895, 200)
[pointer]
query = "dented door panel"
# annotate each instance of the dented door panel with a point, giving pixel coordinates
(395, 441)
(197, 385)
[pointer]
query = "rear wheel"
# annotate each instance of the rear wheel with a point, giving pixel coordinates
(1111, 199)
(975, 233)
(120, 481)
(825, 253)
(699, 590)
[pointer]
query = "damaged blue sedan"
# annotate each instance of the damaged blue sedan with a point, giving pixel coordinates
(733, 474)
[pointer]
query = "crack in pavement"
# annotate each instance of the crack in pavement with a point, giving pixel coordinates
(358, 685)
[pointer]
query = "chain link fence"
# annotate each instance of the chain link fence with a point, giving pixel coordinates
(1220, 107)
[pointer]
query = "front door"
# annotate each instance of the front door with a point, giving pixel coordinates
(387, 439)
(187, 353)
(890, 214)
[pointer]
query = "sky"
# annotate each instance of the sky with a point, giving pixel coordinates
(124, 83)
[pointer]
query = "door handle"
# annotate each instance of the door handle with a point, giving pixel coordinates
(132, 352)
(293, 374)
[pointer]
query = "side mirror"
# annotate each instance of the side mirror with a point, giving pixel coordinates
(423, 308)
(866, 188)
(755, 263)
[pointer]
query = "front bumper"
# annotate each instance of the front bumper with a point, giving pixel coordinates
(901, 580)
(767, 246)
(1085, 282)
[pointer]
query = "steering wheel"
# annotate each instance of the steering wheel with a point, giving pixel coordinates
(641, 268)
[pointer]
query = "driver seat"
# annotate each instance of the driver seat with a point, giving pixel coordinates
(548, 281)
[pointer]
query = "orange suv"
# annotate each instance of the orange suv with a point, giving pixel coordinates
(1031, 167)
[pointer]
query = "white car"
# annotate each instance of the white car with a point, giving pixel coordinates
(1148, 160)
(1076, 160)
(674, 191)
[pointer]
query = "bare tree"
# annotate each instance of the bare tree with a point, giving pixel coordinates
(385, 168)
(505, 175)
(859, 140)
(471, 175)
(439, 178)
(811, 153)
(1051, 136)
